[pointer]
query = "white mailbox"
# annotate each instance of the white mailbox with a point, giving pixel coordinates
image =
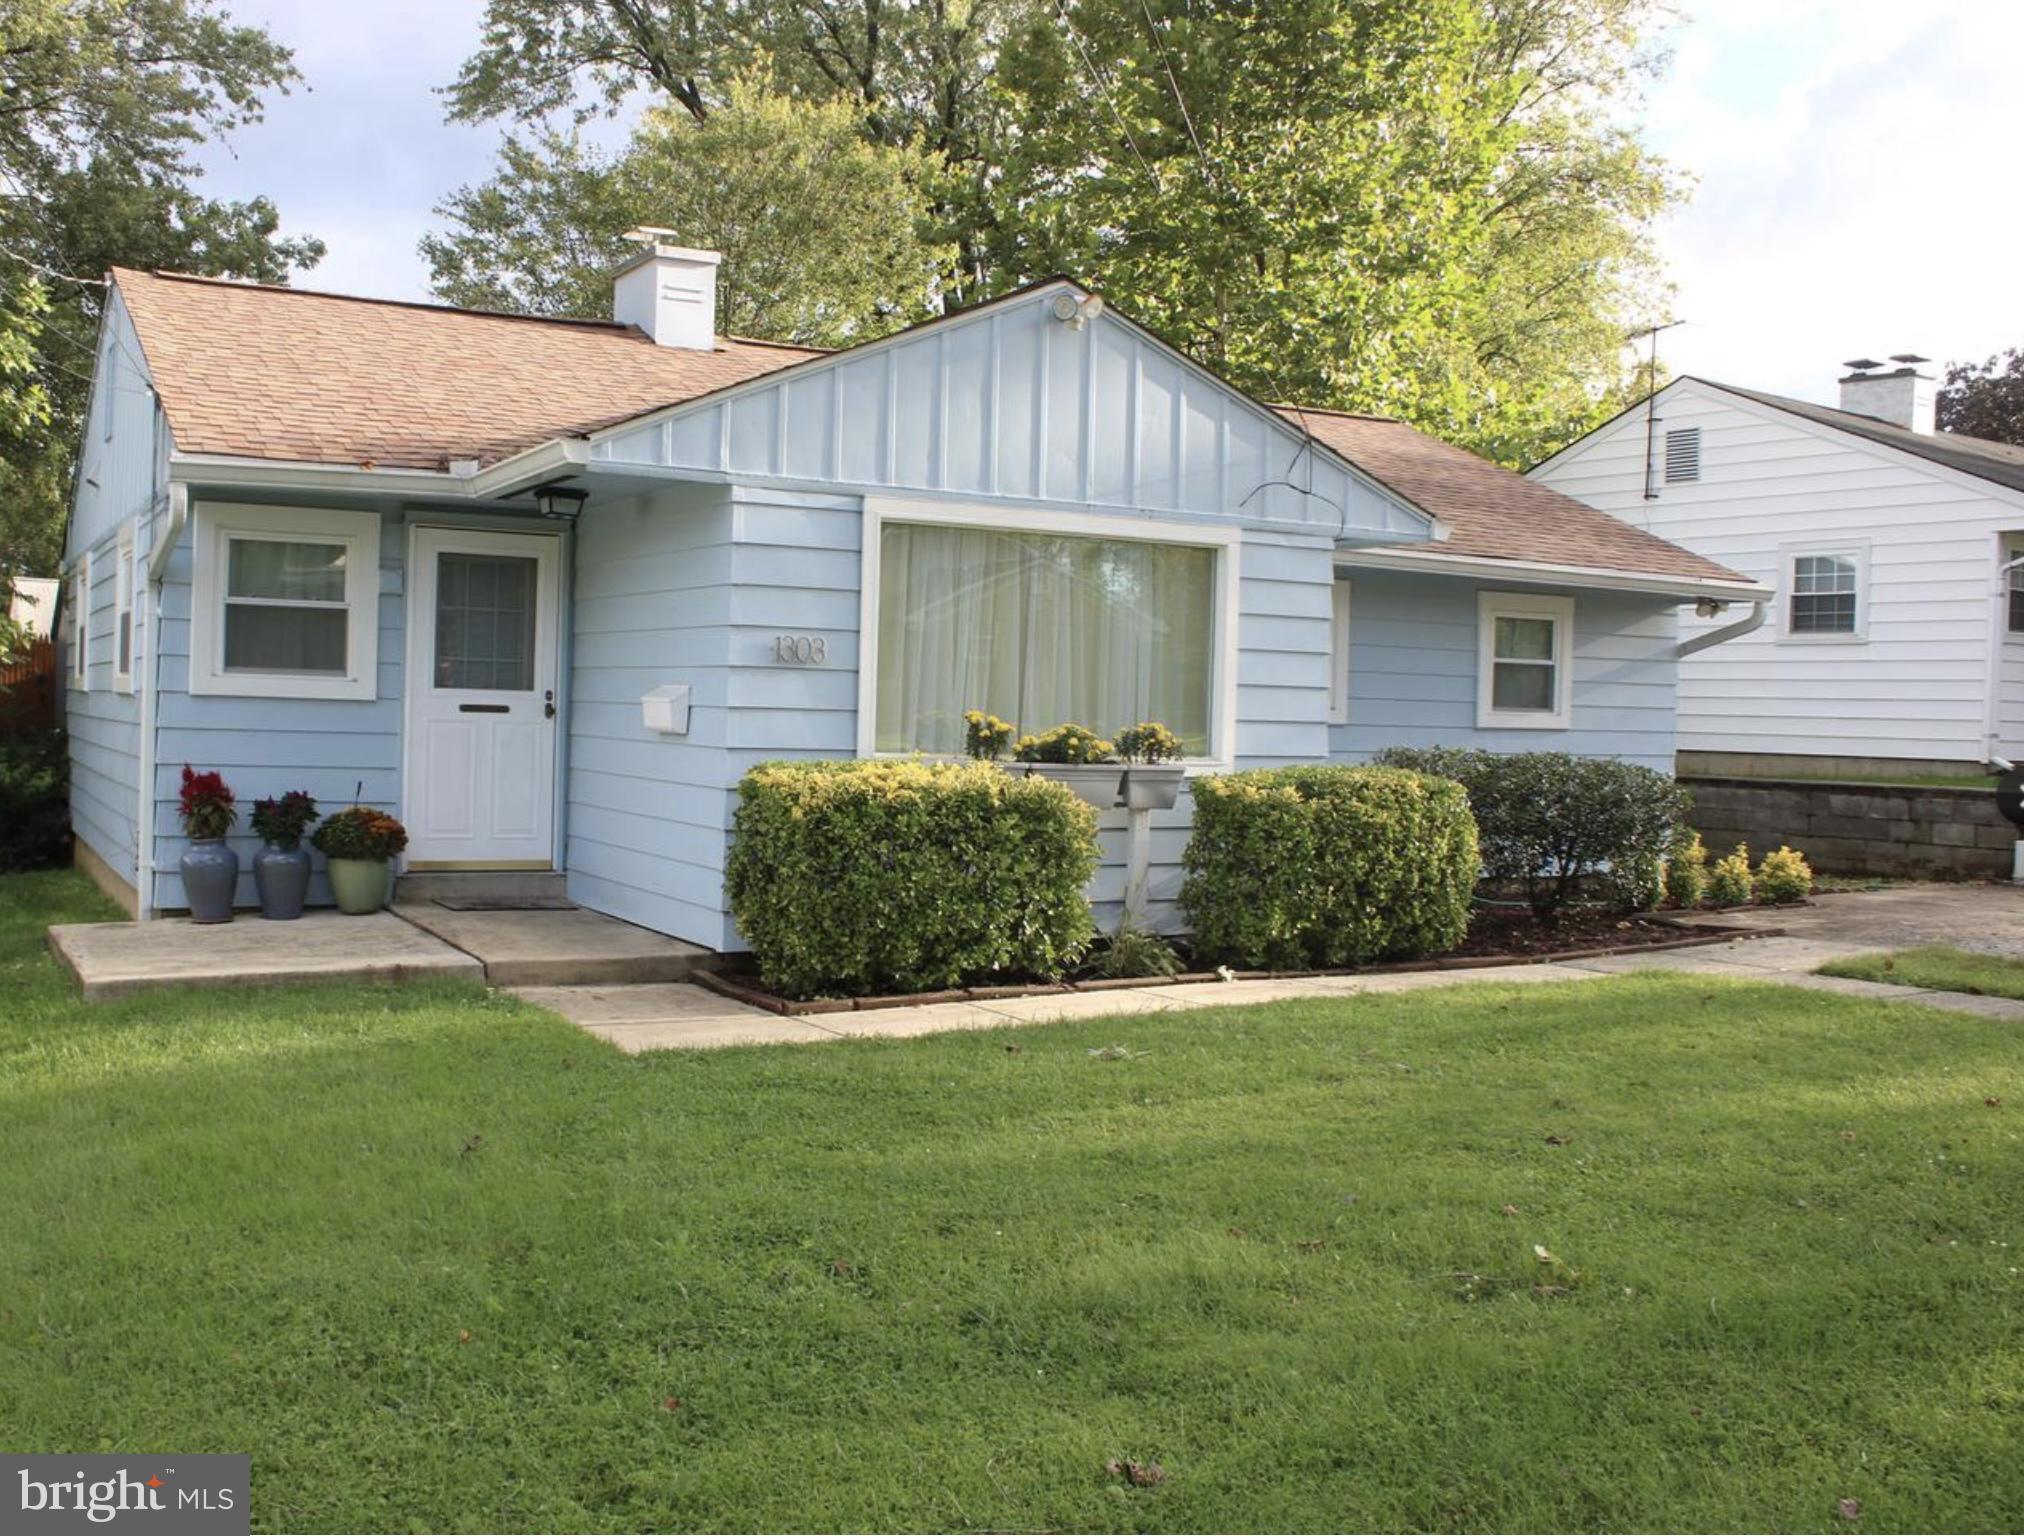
(666, 709)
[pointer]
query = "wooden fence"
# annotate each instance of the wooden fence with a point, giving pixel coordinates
(28, 689)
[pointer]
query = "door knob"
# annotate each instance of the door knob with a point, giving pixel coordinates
(548, 704)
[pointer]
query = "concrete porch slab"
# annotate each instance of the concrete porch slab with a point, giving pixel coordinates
(116, 959)
(574, 948)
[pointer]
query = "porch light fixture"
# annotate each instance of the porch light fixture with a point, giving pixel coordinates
(1076, 313)
(559, 503)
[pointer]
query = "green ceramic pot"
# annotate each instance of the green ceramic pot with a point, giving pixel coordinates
(360, 885)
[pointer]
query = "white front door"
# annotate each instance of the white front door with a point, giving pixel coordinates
(482, 701)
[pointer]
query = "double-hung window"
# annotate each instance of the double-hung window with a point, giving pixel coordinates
(2013, 586)
(1824, 598)
(1524, 673)
(123, 614)
(286, 602)
(1058, 618)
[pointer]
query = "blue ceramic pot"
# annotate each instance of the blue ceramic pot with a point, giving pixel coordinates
(281, 875)
(210, 876)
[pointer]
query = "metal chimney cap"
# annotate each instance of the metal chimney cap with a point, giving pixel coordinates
(1908, 357)
(1862, 364)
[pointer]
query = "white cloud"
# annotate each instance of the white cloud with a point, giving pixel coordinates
(1853, 196)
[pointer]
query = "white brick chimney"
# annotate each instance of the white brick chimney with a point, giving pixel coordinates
(669, 291)
(1904, 396)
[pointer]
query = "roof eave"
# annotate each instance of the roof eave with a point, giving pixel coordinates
(1547, 573)
(561, 455)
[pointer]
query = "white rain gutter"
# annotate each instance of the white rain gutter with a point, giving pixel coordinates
(1544, 573)
(1754, 619)
(559, 456)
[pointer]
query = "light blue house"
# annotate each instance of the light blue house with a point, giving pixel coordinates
(545, 589)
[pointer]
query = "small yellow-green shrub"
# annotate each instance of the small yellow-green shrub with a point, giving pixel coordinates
(1687, 870)
(1784, 876)
(868, 877)
(1328, 865)
(1729, 881)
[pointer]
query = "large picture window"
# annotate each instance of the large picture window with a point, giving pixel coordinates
(1042, 627)
(286, 602)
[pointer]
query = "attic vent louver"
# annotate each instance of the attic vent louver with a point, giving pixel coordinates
(1683, 455)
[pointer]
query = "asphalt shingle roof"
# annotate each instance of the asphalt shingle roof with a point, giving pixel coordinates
(284, 373)
(260, 372)
(1493, 513)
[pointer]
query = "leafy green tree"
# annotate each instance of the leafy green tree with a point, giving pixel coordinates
(1411, 207)
(1985, 399)
(821, 228)
(919, 71)
(102, 103)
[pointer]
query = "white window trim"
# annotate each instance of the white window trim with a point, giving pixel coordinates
(123, 609)
(216, 524)
(1845, 549)
(80, 647)
(1338, 653)
(880, 510)
(2009, 546)
(1490, 607)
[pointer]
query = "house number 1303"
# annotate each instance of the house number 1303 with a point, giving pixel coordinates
(800, 650)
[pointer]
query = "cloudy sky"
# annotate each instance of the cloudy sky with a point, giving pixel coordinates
(1853, 191)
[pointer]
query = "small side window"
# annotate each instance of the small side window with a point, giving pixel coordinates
(1683, 455)
(1524, 677)
(80, 625)
(1823, 598)
(123, 613)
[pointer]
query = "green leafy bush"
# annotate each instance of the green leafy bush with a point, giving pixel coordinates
(1729, 882)
(34, 800)
(1554, 825)
(1687, 870)
(885, 876)
(1784, 876)
(1065, 744)
(1133, 951)
(1328, 865)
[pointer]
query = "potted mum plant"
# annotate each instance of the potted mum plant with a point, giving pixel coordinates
(1152, 775)
(1076, 756)
(281, 867)
(209, 865)
(359, 842)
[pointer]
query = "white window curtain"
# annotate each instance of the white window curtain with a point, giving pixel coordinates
(1041, 629)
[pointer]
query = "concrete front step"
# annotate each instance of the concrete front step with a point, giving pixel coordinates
(572, 948)
(480, 885)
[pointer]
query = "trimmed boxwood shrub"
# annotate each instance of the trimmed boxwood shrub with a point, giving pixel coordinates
(1328, 865)
(853, 878)
(1554, 825)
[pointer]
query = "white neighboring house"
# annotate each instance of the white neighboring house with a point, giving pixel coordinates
(1895, 640)
(32, 602)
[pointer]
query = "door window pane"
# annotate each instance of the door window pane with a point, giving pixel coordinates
(485, 620)
(1041, 629)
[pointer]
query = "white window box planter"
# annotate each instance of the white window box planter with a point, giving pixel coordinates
(1101, 784)
(1152, 786)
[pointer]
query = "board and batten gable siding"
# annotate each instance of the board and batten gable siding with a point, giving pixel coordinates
(122, 471)
(1772, 484)
(336, 749)
(1011, 403)
(1413, 665)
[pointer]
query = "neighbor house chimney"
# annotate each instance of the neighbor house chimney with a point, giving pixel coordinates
(668, 291)
(1903, 396)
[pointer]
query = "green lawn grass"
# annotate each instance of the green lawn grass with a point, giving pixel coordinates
(1936, 966)
(437, 1260)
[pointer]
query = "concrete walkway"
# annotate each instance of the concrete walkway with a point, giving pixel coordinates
(570, 947)
(1983, 917)
(116, 959)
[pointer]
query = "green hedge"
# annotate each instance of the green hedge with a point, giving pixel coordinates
(34, 800)
(1555, 826)
(1328, 865)
(852, 878)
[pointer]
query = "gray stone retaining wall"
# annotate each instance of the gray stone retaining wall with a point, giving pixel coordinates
(1858, 829)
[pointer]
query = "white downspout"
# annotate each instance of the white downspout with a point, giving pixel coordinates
(163, 546)
(1999, 592)
(1754, 619)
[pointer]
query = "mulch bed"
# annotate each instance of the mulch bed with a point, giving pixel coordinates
(1497, 936)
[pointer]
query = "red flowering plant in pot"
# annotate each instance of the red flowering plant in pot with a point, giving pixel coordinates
(210, 867)
(281, 867)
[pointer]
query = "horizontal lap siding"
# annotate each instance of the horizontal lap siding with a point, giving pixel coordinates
(119, 473)
(1413, 664)
(1917, 685)
(336, 749)
(647, 814)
